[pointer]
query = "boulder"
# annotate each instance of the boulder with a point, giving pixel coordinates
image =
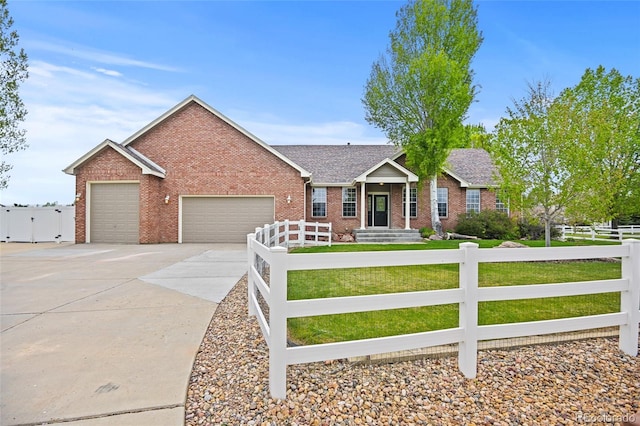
(511, 244)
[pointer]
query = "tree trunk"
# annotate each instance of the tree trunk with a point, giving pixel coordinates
(435, 217)
(547, 232)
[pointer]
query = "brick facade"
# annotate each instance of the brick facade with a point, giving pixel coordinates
(204, 154)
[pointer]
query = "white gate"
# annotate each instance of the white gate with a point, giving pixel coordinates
(37, 224)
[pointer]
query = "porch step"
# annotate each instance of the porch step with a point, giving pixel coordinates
(387, 235)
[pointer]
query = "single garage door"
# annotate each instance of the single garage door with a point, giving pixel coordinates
(224, 219)
(114, 214)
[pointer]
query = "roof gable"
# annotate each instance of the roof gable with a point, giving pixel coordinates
(194, 99)
(147, 166)
(387, 171)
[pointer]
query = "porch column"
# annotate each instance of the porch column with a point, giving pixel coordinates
(363, 203)
(407, 208)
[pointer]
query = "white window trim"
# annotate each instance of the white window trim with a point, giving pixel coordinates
(322, 202)
(404, 196)
(467, 200)
(445, 202)
(354, 202)
(505, 206)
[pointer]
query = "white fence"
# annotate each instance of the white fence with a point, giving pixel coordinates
(599, 232)
(294, 233)
(37, 224)
(468, 295)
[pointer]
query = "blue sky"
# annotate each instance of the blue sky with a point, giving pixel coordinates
(287, 71)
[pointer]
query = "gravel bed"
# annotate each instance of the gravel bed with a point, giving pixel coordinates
(584, 382)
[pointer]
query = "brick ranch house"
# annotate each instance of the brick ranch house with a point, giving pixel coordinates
(193, 175)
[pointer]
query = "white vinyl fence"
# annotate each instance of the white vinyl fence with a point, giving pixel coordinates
(599, 232)
(277, 262)
(294, 233)
(37, 224)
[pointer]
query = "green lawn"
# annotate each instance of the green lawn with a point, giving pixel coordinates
(380, 280)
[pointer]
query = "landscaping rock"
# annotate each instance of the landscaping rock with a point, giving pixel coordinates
(589, 381)
(511, 244)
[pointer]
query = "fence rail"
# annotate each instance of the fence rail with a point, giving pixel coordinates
(599, 232)
(294, 233)
(468, 295)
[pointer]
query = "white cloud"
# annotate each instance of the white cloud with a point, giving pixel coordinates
(277, 132)
(94, 55)
(69, 112)
(110, 73)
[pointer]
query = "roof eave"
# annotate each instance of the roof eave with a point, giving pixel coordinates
(71, 169)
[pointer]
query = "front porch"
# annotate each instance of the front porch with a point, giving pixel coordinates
(376, 187)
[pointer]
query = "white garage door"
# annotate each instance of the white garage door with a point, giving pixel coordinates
(114, 213)
(224, 219)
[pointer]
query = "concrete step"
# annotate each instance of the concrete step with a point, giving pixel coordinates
(387, 235)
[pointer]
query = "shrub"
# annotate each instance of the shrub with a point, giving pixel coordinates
(426, 232)
(488, 224)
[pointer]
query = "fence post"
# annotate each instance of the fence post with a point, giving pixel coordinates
(630, 299)
(286, 232)
(278, 324)
(468, 315)
(302, 227)
(250, 287)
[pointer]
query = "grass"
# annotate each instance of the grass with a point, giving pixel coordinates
(438, 245)
(380, 280)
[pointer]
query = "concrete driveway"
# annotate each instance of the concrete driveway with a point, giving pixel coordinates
(105, 334)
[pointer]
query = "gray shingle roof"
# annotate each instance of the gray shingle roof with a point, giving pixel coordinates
(473, 165)
(339, 164)
(334, 164)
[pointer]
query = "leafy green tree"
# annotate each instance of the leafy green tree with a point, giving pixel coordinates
(533, 160)
(476, 137)
(601, 117)
(13, 71)
(418, 93)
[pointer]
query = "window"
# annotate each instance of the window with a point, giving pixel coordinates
(443, 202)
(413, 199)
(319, 202)
(473, 200)
(349, 202)
(501, 206)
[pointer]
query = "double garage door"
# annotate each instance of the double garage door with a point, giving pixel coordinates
(224, 219)
(115, 216)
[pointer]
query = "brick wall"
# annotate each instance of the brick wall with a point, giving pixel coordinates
(203, 155)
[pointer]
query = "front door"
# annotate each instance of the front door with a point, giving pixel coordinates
(378, 210)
